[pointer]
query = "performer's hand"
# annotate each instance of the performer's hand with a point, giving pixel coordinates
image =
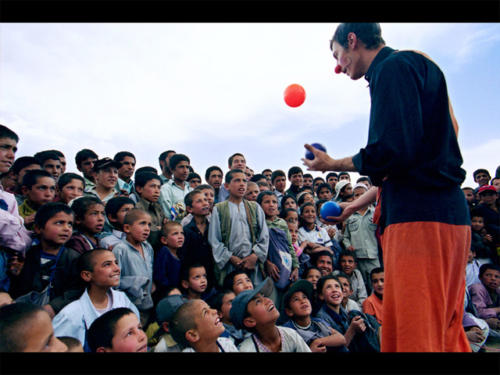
(321, 162)
(347, 210)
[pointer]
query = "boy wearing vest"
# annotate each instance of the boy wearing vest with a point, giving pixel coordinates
(238, 232)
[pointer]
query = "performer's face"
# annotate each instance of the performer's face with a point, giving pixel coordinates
(348, 59)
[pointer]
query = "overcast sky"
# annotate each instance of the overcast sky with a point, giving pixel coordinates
(211, 89)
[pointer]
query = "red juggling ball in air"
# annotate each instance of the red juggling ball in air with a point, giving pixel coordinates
(294, 95)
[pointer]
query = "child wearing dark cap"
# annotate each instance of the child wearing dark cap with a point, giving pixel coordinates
(165, 311)
(106, 177)
(116, 209)
(315, 332)
(255, 311)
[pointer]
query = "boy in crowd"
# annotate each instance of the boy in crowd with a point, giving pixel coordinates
(39, 187)
(25, 327)
(89, 223)
(344, 176)
(164, 160)
(373, 304)
(481, 240)
(347, 303)
(323, 260)
(106, 175)
(254, 311)
(481, 177)
(365, 180)
(13, 233)
(343, 189)
(296, 178)
(125, 185)
(197, 328)
(268, 173)
(20, 167)
(194, 281)
(100, 271)
(324, 191)
(196, 246)
(238, 232)
(118, 330)
(348, 265)
(359, 236)
(165, 311)
(278, 180)
(49, 271)
(489, 210)
(147, 186)
(194, 180)
(50, 162)
(332, 178)
(315, 332)
(213, 177)
(469, 197)
(84, 160)
(235, 161)
(237, 280)
(173, 192)
(472, 269)
(167, 265)
(486, 295)
(135, 259)
(116, 210)
(70, 186)
(252, 191)
(62, 159)
(308, 180)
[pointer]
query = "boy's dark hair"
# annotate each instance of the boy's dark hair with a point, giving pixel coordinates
(324, 185)
(141, 179)
(31, 177)
(182, 321)
(323, 280)
(43, 156)
(5, 132)
(227, 284)
(301, 209)
(331, 174)
(210, 170)
(267, 170)
(81, 205)
(294, 170)
(70, 342)
(140, 170)
(165, 228)
(188, 199)
(58, 153)
(285, 197)
(133, 215)
(114, 205)
(277, 173)
(193, 175)
(376, 270)
(257, 177)
(493, 179)
(345, 198)
(176, 159)
(187, 267)
(344, 275)
(347, 253)
(204, 187)
(364, 178)
(164, 155)
(467, 188)
(229, 175)
(122, 154)
(85, 262)
(285, 211)
(215, 301)
(320, 179)
(301, 196)
(315, 256)
(263, 183)
(369, 33)
(488, 266)
(13, 325)
(230, 160)
(307, 175)
(102, 330)
(83, 155)
(480, 170)
(476, 213)
(22, 162)
(344, 174)
(49, 210)
(308, 269)
(262, 194)
(66, 178)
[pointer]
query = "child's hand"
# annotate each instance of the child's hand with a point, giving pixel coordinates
(475, 335)
(250, 261)
(295, 275)
(358, 324)
(272, 270)
(488, 238)
(28, 220)
(351, 248)
(236, 261)
(317, 346)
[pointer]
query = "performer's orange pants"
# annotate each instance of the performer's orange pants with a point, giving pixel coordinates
(424, 287)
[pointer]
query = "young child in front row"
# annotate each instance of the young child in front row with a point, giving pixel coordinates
(347, 303)
(348, 265)
(89, 223)
(161, 339)
(373, 304)
(116, 210)
(118, 330)
(315, 332)
(100, 271)
(39, 187)
(135, 258)
(194, 281)
(197, 328)
(237, 280)
(167, 265)
(70, 186)
(254, 311)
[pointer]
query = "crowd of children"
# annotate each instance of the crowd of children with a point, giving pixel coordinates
(119, 259)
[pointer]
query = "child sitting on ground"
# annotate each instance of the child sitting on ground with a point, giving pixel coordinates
(69, 186)
(39, 187)
(313, 274)
(116, 210)
(486, 295)
(373, 304)
(481, 240)
(118, 330)
(100, 271)
(89, 223)
(347, 303)
(472, 269)
(197, 328)
(25, 327)
(237, 280)
(194, 281)
(254, 311)
(347, 263)
(315, 332)
(135, 258)
(165, 311)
